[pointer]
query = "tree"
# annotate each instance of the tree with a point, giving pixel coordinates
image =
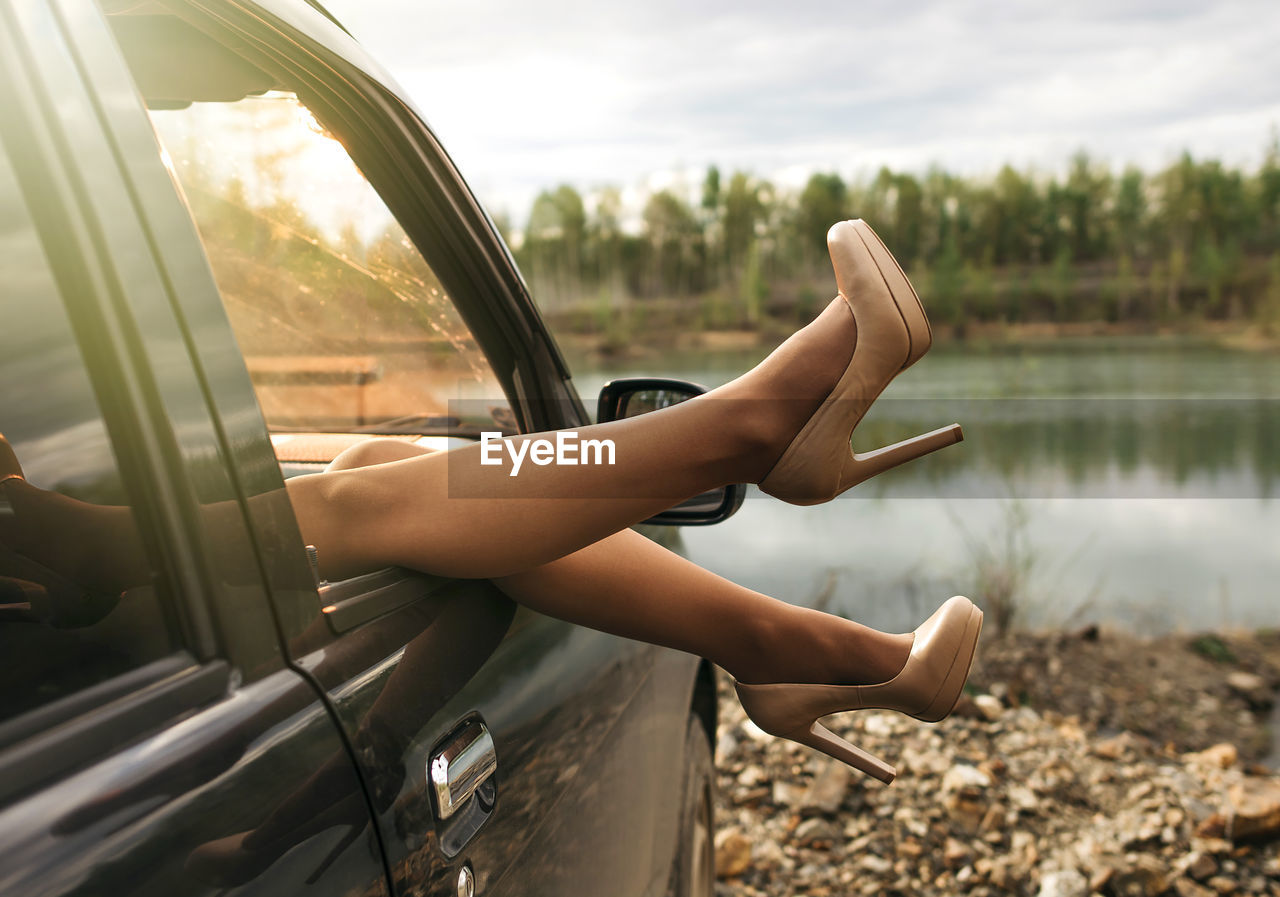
(822, 202)
(675, 243)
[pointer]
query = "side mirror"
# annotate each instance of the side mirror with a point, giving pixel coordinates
(632, 396)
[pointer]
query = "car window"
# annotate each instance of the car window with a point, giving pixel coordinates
(343, 325)
(79, 598)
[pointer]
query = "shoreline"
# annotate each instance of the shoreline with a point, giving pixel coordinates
(983, 337)
(1079, 763)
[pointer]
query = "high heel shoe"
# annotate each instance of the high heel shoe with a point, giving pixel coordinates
(892, 334)
(927, 688)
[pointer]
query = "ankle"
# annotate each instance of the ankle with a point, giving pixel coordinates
(770, 403)
(842, 652)
(750, 429)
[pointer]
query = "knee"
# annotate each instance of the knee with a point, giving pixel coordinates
(375, 451)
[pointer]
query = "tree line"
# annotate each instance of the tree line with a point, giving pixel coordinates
(1196, 241)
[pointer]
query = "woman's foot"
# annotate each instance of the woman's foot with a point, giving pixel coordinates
(805, 399)
(799, 644)
(927, 687)
(773, 401)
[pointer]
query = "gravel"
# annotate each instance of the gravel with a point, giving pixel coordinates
(1082, 763)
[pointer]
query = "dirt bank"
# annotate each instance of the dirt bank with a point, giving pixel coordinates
(1083, 763)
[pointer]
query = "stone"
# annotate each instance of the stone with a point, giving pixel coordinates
(768, 854)
(785, 794)
(1100, 879)
(966, 812)
(1144, 876)
(1252, 688)
(962, 776)
(1063, 883)
(1185, 887)
(1200, 865)
(814, 832)
(1220, 756)
(993, 820)
(876, 865)
(1213, 826)
(909, 848)
(1124, 746)
(1213, 846)
(827, 791)
(1254, 810)
(1023, 798)
(955, 854)
(733, 852)
(989, 706)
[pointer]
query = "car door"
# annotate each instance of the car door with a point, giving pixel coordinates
(365, 303)
(153, 738)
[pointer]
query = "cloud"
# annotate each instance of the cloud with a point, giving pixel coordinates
(532, 94)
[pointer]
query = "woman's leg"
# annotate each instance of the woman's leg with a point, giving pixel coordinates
(446, 513)
(627, 585)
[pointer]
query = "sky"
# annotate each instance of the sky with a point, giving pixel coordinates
(644, 95)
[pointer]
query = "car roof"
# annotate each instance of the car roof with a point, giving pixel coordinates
(307, 17)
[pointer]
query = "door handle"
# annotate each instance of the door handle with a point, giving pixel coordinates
(461, 765)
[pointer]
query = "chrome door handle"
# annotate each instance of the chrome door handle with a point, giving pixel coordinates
(461, 765)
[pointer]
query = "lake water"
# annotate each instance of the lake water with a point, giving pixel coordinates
(1134, 482)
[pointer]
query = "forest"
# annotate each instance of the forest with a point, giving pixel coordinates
(1194, 243)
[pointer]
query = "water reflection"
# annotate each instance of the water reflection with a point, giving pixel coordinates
(1148, 471)
(1075, 447)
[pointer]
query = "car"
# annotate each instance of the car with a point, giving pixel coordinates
(233, 250)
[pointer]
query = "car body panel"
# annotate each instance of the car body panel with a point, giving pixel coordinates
(313, 732)
(130, 808)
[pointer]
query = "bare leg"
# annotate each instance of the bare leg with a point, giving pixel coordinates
(629, 586)
(448, 514)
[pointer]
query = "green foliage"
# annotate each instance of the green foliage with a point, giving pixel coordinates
(1194, 241)
(1213, 648)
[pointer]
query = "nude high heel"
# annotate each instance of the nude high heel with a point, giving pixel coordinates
(927, 688)
(893, 333)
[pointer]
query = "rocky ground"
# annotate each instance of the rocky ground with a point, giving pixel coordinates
(1082, 763)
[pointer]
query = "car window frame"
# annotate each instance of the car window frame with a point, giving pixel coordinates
(82, 727)
(428, 198)
(422, 189)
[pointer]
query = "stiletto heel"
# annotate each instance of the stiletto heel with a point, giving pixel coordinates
(866, 465)
(820, 738)
(927, 688)
(892, 334)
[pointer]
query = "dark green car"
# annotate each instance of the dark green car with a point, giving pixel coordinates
(231, 250)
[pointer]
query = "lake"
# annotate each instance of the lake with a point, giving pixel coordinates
(1134, 482)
